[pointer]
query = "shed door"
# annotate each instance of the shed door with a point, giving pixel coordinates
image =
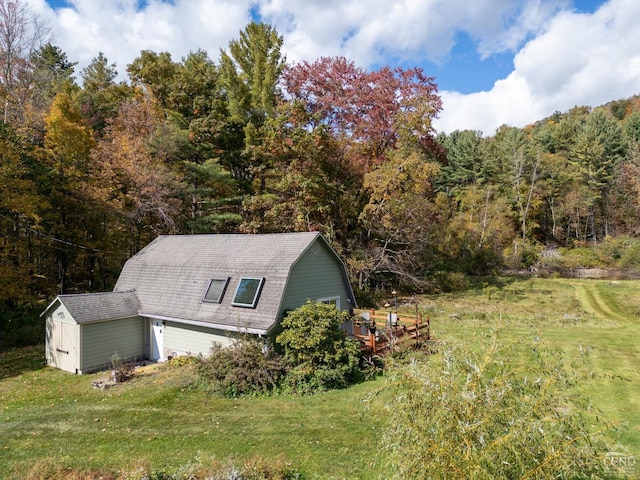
(157, 343)
(63, 346)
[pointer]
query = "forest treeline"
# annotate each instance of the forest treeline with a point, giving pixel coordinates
(93, 168)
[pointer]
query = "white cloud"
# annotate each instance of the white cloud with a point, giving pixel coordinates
(562, 58)
(403, 29)
(367, 33)
(120, 29)
(509, 102)
(580, 59)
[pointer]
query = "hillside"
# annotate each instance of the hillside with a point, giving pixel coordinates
(56, 422)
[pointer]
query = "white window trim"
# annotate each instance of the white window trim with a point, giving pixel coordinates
(256, 297)
(330, 300)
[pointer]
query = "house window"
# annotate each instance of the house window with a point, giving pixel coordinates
(331, 301)
(248, 292)
(215, 290)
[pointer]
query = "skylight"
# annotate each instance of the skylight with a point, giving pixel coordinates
(215, 290)
(248, 292)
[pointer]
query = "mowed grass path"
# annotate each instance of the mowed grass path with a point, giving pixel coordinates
(601, 317)
(158, 419)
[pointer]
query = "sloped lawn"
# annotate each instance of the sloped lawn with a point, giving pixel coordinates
(159, 422)
(157, 419)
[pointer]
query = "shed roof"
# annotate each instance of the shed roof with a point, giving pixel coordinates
(93, 307)
(171, 274)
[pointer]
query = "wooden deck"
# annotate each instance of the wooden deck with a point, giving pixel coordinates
(382, 332)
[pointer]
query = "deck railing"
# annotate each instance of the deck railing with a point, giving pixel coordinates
(382, 332)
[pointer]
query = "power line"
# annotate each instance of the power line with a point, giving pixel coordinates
(59, 240)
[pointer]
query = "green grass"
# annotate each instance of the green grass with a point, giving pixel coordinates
(599, 315)
(157, 419)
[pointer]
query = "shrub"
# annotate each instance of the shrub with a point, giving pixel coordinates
(182, 360)
(121, 371)
(630, 257)
(445, 281)
(499, 411)
(245, 367)
(581, 257)
(615, 247)
(522, 254)
(319, 353)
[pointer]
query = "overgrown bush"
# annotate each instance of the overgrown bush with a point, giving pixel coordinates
(445, 281)
(582, 257)
(630, 257)
(616, 247)
(319, 353)
(182, 360)
(499, 411)
(246, 367)
(522, 254)
(121, 370)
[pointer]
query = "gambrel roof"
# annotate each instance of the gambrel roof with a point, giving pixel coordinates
(172, 274)
(97, 307)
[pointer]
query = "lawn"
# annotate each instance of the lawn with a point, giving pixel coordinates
(49, 417)
(600, 316)
(157, 419)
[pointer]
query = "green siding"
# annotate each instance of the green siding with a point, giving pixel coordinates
(317, 271)
(99, 341)
(182, 339)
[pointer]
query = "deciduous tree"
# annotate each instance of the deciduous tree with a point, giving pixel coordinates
(68, 144)
(368, 111)
(22, 33)
(397, 217)
(133, 182)
(21, 207)
(308, 184)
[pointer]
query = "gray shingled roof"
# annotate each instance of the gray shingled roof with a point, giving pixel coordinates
(92, 307)
(171, 274)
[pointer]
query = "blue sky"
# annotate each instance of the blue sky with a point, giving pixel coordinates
(495, 61)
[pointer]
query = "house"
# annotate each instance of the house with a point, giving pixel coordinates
(181, 293)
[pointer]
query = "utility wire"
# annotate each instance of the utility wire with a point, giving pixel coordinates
(59, 240)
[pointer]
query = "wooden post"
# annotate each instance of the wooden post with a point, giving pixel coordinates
(372, 335)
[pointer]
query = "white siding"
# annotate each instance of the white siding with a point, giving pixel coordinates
(182, 339)
(62, 340)
(101, 340)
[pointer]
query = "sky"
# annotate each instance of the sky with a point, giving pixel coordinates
(495, 62)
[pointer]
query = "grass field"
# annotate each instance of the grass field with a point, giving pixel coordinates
(48, 417)
(599, 315)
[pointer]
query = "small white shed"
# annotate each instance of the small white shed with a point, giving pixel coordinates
(84, 331)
